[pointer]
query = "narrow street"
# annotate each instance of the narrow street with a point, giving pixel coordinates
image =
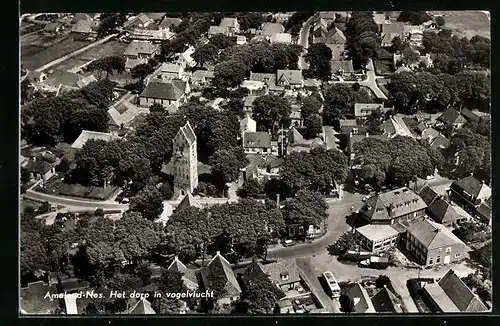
(304, 42)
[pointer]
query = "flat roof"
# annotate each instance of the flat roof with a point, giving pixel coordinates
(376, 232)
(441, 298)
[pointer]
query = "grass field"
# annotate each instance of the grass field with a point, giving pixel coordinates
(38, 49)
(467, 23)
(110, 48)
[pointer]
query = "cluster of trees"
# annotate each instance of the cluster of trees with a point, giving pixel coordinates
(188, 33)
(109, 23)
(294, 24)
(454, 54)
(243, 224)
(319, 56)
(412, 91)
(262, 57)
(396, 161)
(110, 65)
(46, 121)
(271, 111)
(318, 170)
(414, 17)
(473, 232)
(340, 100)
(480, 284)
(306, 208)
(363, 40)
(471, 145)
(347, 241)
(143, 70)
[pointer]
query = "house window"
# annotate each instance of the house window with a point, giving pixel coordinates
(438, 259)
(301, 230)
(457, 255)
(430, 261)
(448, 250)
(284, 276)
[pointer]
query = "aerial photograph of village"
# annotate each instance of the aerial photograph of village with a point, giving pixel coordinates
(333, 162)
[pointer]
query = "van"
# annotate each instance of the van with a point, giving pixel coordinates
(332, 284)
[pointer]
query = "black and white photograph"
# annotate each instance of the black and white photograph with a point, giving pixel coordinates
(255, 163)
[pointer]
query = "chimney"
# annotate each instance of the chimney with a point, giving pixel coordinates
(367, 135)
(278, 201)
(217, 253)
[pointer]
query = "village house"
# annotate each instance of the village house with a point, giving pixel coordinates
(320, 28)
(165, 93)
(185, 160)
(423, 60)
(188, 275)
(269, 29)
(285, 274)
(386, 302)
(214, 30)
(231, 24)
(142, 307)
(413, 35)
(141, 50)
(334, 36)
(394, 205)
(328, 16)
(281, 38)
(447, 213)
(202, 77)
(228, 285)
(338, 51)
(36, 76)
(289, 79)
(258, 143)
(295, 142)
(390, 31)
(40, 169)
(123, 112)
(360, 298)
(171, 71)
(255, 88)
(483, 212)
(168, 24)
(363, 110)
(262, 167)
(241, 39)
(79, 17)
(470, 193)
(140, 21)
(87, 135)
(152, 32)
(451, 294)
(452, 117)
(84, 30)
(247, 124)
(60, 81)
(376, 237)
(432, 243)
(402, 69)
(53, 28)
(186, 58)
(341, 68)
(469, 115)
(380, 19)
(248, 104)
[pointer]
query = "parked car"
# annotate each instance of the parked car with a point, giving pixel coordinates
(125, 201)
(288, 243)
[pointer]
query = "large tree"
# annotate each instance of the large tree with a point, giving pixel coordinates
(110, 65)
(363, 41)
(226, 163)
(148, 202)
(319, 56)
(339, 102)
(306, 208)
(271, 111)
(205, 53)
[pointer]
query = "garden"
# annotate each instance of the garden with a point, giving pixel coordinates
(56, 186)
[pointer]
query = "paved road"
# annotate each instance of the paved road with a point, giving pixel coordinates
(370, 81)
(86, 204)
(401, 127)
(304, 41)
(336, 225)
(72, 54)
(316, 288)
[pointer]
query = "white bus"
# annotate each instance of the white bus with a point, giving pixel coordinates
(332, 283)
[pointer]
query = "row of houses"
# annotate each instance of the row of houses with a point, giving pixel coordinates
(423, 222)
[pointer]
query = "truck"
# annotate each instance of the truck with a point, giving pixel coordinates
(375, 262)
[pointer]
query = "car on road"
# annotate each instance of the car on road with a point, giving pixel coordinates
(365, 198)
(125, 201)
(375, 262)
(288, 243)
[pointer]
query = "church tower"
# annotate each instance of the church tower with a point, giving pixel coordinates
(185, 160)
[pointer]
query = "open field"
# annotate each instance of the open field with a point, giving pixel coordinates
(110, 48)
(466, 23)
(38, 49)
